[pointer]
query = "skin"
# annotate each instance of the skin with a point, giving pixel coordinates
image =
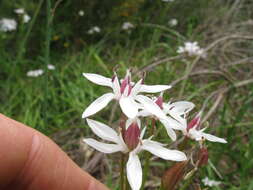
(31, 161)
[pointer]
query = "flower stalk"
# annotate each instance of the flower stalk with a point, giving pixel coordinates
(122, 172)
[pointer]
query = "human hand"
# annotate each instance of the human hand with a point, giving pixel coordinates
(31, 161)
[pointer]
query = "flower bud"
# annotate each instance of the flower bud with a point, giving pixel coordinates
(203, 157)
(173, 175)
(132, 136)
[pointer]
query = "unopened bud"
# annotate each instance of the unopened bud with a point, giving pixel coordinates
(173, 175)
(132, 136)
(203, 157)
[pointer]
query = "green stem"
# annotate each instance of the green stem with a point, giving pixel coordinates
(148, 156)
(146, 169)
(21, 49)
(122, 172)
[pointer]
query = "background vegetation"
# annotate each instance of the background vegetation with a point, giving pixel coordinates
(57, 34)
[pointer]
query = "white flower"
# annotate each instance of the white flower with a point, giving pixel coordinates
(94, 29)
(19, 11)
(133, 167)
(35, 73)
(127, 26)
(170, 118)
(126, 92)
(210, 183)
(192, 131)
(26, 18)
(51, 67)
(81, 13)
(192, 49)
(173, 22)
(7, 24)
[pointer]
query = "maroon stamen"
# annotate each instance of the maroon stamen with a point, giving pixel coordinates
(159, 102)
(194, 123)
(132, 136)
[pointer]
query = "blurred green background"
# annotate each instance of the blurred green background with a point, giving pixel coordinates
(59, 33)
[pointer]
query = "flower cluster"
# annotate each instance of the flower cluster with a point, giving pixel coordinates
(191, 49)
(94, 29)
(25, 17)
(39, 72)
(127, 26)
(7, 25)
(135, 105)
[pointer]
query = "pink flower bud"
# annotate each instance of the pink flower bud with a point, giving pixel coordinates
(174, 175)
(132, 136)
(203, 157)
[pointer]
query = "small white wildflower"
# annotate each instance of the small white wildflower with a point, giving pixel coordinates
(51, 67)
(173, 22)
(7, 24)
(133, 143)
(192, 49)
(81, 13)
(210, 183)
(127, 26)
(26, 18)
(193, 131)
(94, 29)
(125, 91)
(20, 11)
(35, 73)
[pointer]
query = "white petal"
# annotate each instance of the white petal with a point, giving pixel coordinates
(128, 106)
(144, 114)
(162, 152)
(177, 116)
(116, 87)
(143, 132)
(123, 144)
(172, 123)
(98, 104)
(136, 88)
(103, 131)
(151, 106)
(213, 138)
(182, 107)
(98, 79)
(154, 88)
(134, 171)
(171, 133)
(194, 134)
(103, 147)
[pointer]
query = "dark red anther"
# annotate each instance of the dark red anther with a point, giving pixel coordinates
(132, 136)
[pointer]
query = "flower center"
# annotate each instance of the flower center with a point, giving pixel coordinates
(131, 136)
